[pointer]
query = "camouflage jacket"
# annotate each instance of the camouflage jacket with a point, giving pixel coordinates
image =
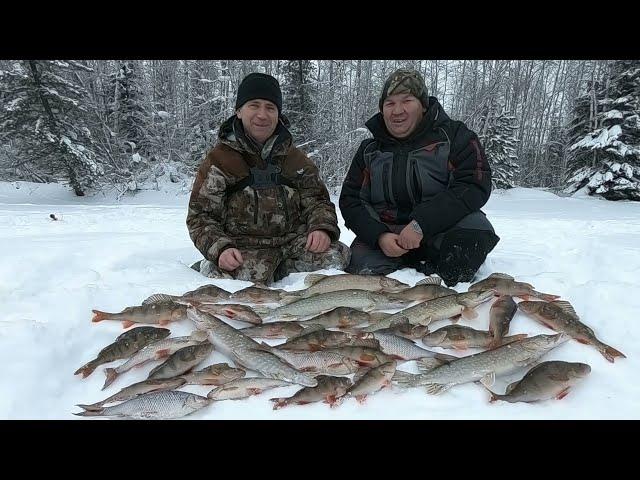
(223, 213)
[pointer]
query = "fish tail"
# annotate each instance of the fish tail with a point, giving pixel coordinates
(90, 413)
(609, 352)
(87, 369)
(99, 315)
(111, 376)
(92, 407)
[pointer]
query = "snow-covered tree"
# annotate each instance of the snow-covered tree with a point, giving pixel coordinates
(604, 151)
(45, 117)
(298, 92)
(497, 133)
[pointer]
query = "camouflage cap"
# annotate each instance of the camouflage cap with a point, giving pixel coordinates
(405, 80)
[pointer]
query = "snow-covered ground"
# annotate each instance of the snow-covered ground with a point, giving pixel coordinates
(106, 254)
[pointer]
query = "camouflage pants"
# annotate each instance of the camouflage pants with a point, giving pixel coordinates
(268, 265)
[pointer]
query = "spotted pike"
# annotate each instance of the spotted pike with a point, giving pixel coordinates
(426, 289)
(245, 351)
(331, 283)
(258, 295)
(483, 366)
(285, 329)
(234, 311)
(403, 349)
(339, 317)
(451, 306)
(460, 337)
(504, 284)
(322, 362)
(561, 317)
(125, 345)
(545, 381)
(323, 302)
(321, 339)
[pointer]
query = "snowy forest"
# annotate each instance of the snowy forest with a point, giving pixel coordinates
(128, 125)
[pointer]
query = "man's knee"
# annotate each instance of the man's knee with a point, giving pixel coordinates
(462, 252)
(369, 261)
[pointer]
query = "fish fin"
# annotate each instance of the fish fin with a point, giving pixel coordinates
(469, 313)
(159, 297)
(425, 365)
(111, 376)
(430, 281)
(163, 322)
(489, 379)
(511, 339)
(456, 318)
(566, 307)
(563, 393)
(265, 346)
(501, 275)
(361, 399)
(437, 388)
(128, 323)
(313, 278)
(361, 372)
(377, 316)
(405, 379)
(493, 397)
(510, 387)
(99, 315)
(279, 403)
(162, 353)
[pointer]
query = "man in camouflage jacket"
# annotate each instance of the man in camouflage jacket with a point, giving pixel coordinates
(414, 191)
(258, 209)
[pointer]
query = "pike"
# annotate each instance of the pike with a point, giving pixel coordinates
(426, 289)
(339, 317)
(331, 283)
(545, 381)
(483, 366)
(504, 284)
(245, 387)
(402, 349)
(125, 345)
(245, 351)
(561, 317)
(451, 306)
(460, 337)
(323, 302)
(321, 339)
(286, 329)
(258, 295)
(233, 311)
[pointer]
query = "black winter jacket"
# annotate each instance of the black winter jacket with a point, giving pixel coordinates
(437, 176)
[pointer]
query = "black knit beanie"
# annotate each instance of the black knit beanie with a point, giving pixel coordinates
(259, 86)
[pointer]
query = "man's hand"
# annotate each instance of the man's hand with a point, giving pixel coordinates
(230, 259)
(409, 238)
(318, 241)
(389, 244)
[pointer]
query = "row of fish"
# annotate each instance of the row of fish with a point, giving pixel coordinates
(368, 344)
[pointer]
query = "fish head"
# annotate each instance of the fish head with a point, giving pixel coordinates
(196, 401)
(434, 338)
(475, 298)
(578, 370)
(388, 369)
(547, 342)
(392, 284)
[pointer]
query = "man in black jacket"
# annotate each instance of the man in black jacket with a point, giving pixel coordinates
(413, 193)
